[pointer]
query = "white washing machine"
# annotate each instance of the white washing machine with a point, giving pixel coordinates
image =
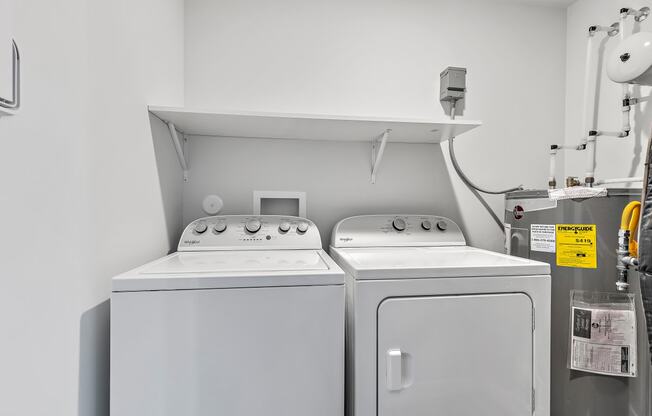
(435, 327)
(246, 319)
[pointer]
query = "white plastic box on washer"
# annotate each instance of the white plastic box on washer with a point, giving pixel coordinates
(435, 327)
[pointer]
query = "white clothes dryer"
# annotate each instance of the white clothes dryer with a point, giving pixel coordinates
(246, 319)
(435, 327)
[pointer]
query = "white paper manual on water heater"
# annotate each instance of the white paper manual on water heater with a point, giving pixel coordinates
(542, 237)
(603, 341)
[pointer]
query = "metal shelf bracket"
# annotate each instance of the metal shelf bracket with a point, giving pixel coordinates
(178, 146)
(377, 151)
(9, 106)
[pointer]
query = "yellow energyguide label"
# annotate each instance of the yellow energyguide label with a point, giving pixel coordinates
(577, 245)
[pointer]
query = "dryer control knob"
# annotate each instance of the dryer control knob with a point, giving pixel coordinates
(399, 224)
(426, 225)
(302, 227)
(253, 226)
(284, 227)
(442, 225)
(220, 227)
(200, 228)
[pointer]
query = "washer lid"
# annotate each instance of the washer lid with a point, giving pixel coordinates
(432, 262)
(229, 269)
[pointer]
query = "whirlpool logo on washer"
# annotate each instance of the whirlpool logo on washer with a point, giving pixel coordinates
(191, 242)
(346, 239)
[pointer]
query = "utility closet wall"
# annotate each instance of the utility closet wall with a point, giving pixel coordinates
(80, 199)
(615, 158)
(375, 58)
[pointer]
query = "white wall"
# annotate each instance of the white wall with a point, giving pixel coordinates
(380, 58)
(615, 158)
(6, 52)
(81, 193)
(80, 197)
(335, 175)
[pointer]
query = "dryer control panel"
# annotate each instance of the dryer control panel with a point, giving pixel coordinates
(397, 231)
(250, 232)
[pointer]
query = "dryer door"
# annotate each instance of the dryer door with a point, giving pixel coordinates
(455, 355)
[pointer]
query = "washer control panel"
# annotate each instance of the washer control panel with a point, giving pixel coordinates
(396, 231)
(246, 232)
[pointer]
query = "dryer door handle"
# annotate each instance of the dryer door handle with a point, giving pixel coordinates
(394, 370)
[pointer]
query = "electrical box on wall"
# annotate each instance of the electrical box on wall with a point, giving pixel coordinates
(452, 89)
(280, 203)
(453, 84)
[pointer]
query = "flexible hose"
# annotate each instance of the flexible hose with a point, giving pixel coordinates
(467, 181)
(460, 173)
(475, 190)
(629, 222)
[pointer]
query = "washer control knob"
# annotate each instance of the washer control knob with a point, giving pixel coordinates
(302, 227)
(426, 225)
(200, 227)
(399, 224)
(253, 226)
(442, 225)
(284, 227)
(220, 227)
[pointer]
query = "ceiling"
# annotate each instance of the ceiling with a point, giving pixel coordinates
(563, 3)
(551, 3)
(557, 3)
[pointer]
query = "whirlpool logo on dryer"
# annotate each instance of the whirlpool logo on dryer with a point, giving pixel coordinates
(191, 242)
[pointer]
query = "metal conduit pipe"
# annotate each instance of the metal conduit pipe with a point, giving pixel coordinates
(475, 190)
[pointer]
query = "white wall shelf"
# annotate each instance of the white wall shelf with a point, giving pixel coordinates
(377, 131)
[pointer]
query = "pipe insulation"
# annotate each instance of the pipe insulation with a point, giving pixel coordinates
(645, 244)
(587, 122)
(552, 180)
(626, 94)
(627, 109)
(621, 26)
(618, 180)
(590, 157)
